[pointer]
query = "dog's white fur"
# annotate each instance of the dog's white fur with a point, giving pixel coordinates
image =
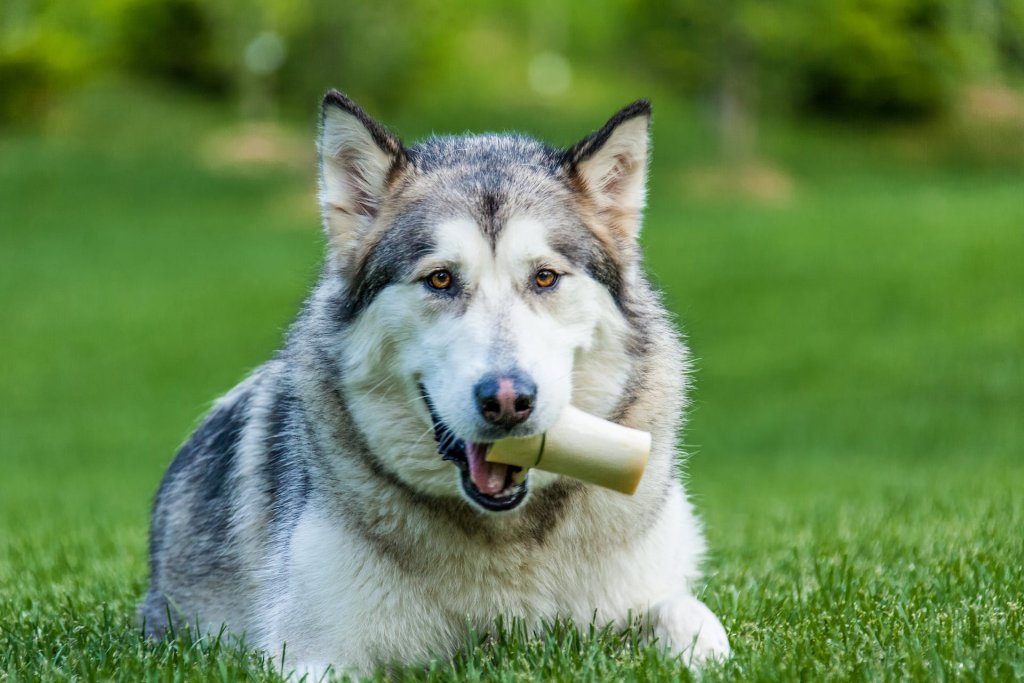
(334, 599)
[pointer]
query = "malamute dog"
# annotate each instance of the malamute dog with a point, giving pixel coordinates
(338, 500)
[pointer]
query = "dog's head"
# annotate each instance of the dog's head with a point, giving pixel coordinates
(483, 281)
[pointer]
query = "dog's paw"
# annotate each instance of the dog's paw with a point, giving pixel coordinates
(690, 629)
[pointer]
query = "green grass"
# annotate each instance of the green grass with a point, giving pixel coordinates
(857, 433)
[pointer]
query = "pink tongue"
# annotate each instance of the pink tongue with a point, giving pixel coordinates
(489, 477)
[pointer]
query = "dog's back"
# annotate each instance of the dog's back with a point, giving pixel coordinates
(211, 525)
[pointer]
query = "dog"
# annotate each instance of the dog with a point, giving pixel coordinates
(338, 501)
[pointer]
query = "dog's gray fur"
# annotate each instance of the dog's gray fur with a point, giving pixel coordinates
(283, 517)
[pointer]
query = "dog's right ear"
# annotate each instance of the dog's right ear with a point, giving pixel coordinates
(358, 159)
(611, 166)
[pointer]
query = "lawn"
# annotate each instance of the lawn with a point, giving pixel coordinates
(856, 434)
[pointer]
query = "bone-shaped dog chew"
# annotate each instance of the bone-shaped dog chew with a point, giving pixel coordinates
(584, 447)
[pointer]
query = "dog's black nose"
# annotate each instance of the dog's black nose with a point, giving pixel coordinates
(505, 399)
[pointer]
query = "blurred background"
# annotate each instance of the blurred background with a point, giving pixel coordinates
(836, 216)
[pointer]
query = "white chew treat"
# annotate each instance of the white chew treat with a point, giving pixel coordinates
(584, 447)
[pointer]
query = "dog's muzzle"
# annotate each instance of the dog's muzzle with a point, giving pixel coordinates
(493, 486)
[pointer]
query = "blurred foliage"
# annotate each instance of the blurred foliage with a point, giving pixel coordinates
(842, 58)
(171, 40)
(26, 84)
(879, 57)
(1009, 32)
(41, 54)
(376, 48)
(846, 58)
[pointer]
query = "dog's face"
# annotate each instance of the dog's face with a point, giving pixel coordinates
(483, 280)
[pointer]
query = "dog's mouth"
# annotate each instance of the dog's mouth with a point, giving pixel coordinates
(491, 485)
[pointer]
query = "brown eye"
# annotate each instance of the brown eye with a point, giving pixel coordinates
(440, 279)
(545, 278)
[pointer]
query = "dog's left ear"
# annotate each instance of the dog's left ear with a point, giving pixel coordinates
(611, 166)
(358, 160)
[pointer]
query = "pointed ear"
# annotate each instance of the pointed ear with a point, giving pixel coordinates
(358, 160)
(611, 167)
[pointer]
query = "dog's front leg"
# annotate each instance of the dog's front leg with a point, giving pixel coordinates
(687, 627)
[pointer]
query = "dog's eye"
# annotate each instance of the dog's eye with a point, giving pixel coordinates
(440, 279)
(545, 278)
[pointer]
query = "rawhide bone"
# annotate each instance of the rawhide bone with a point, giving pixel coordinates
(584, 447)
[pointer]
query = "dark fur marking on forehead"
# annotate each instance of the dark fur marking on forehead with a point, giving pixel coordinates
(489, 214)
(490, 204)
(489, 173)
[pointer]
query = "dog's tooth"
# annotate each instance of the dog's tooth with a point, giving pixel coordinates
(520, 476)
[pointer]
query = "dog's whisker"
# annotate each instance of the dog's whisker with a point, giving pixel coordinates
(429, 431)
(378, 385)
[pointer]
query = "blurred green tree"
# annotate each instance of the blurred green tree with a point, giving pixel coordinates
(835, 57)
(171, 40)
(727, 52)
(878, 58)
(1008, 29)
(45, 46)
(841, 58)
